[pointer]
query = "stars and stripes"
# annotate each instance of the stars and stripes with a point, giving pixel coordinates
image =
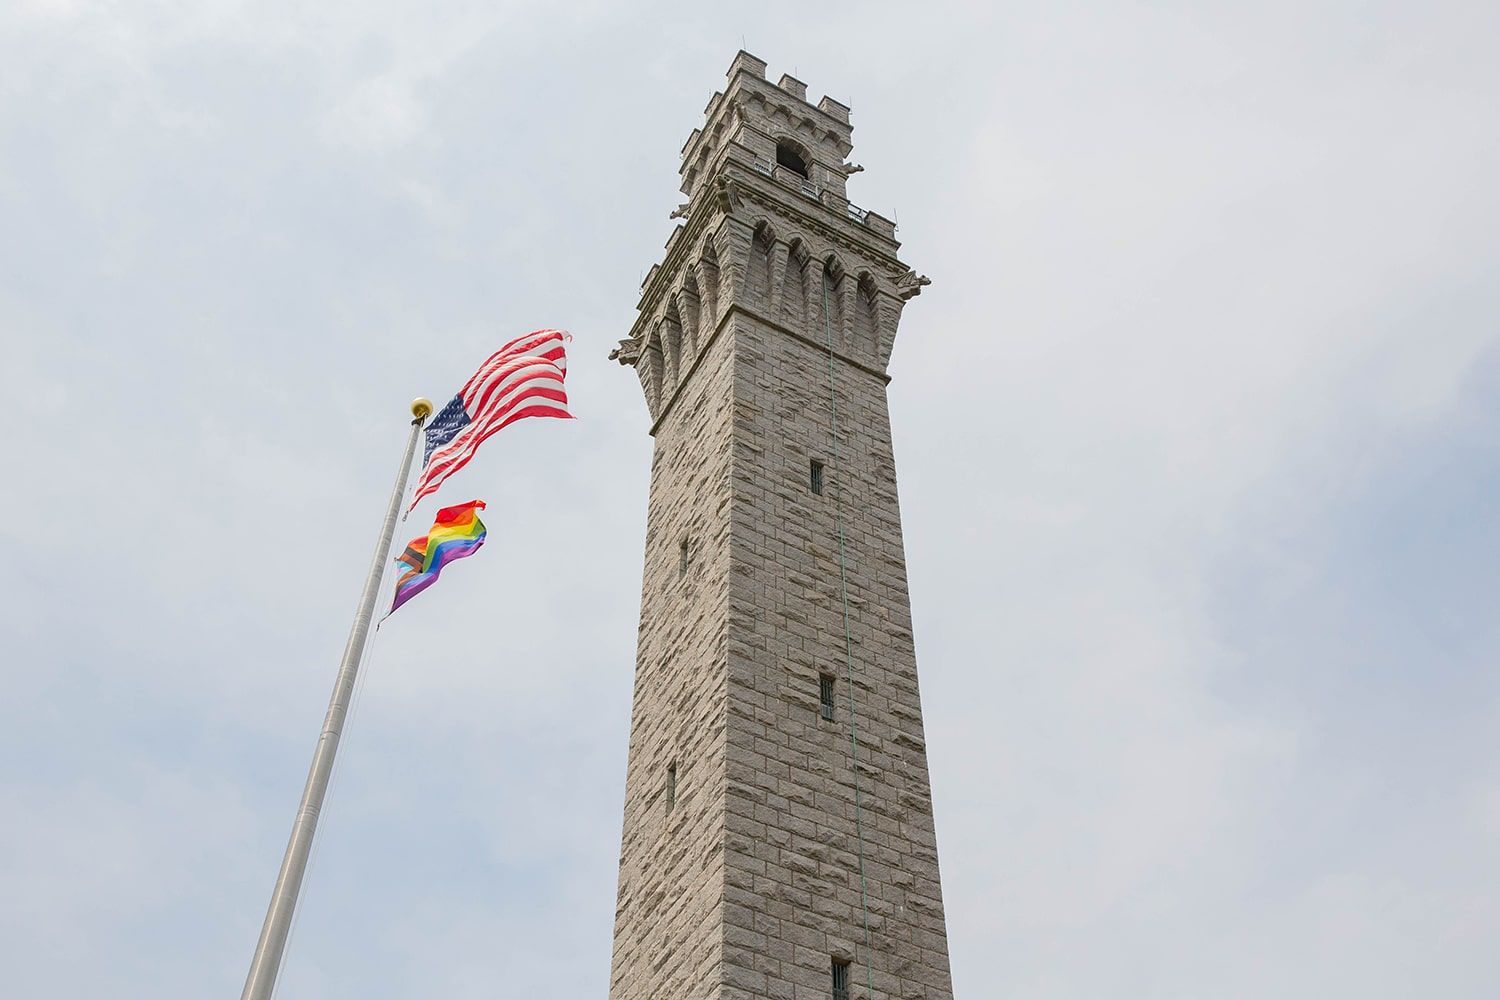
(522, 379)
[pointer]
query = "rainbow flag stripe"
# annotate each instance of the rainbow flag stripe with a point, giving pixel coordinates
(456, 533)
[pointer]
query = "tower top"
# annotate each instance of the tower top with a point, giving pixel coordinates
(767, 223)
(809, 142)
(744, 62)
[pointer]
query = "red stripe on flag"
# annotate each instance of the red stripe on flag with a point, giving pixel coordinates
(525, 378)
(537, 401)
(550, 344)
(504, 380)
(525, 383)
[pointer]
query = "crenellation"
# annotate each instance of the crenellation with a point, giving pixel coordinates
(834, 109)
(744, 62)
(793, 86)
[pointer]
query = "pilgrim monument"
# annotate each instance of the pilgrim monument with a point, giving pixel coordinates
(778, 836)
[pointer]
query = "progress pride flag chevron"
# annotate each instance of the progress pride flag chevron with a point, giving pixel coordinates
(522, 379)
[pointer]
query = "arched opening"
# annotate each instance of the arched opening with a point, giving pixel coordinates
(671, 342)
(833, 297)
(708, 267)
(794, 286)
(760, 265)
(789, 155)
(688, 306)
(654, 375)
(865, 316)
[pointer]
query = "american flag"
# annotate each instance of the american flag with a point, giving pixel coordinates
(522, 379)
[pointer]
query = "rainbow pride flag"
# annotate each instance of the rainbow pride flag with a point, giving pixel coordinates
(456, 533)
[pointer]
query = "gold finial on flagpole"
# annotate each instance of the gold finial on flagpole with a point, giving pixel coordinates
(421, 408)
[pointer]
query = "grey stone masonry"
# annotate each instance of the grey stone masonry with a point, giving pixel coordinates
(763, 840)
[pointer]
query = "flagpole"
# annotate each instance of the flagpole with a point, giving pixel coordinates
(266, 964)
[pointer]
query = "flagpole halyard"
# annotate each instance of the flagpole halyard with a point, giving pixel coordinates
(269, 951)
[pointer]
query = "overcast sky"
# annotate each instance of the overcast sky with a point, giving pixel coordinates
(1196, 427)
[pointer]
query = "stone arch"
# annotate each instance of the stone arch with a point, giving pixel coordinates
(708, 270)
(671, 341)
(758, 285)
(652, 366)
(831, 297)
(793, 155)
(794, 285)
(866, 316)
(689, 299)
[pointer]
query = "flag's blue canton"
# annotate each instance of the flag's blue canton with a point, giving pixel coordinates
(445, 426)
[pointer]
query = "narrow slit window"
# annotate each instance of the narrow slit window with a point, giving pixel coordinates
(682, 557)
(825, 696)
(840, 980)
(815, 477)
(671, 786)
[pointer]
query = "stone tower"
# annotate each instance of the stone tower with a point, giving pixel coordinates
(778, 837)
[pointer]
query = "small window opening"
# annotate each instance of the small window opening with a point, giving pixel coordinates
(671, 786)
(815, 477)
(840, 980)
(682, 557)
(789, 156)
(825, 696)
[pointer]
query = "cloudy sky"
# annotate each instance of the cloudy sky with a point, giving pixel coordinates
(1196, 429)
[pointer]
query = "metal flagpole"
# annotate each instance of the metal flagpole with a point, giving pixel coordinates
(273, 934)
